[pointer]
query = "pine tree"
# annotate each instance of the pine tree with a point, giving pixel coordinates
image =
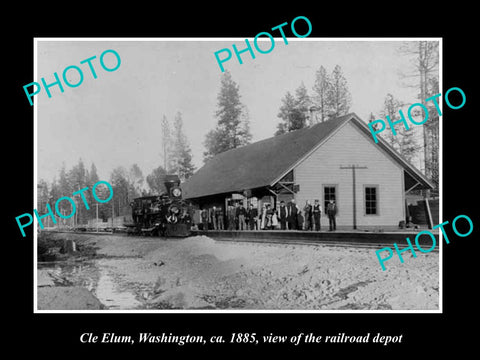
(156, 181)
(92, 179)
(78, 180)
(64, 186)
(92, 175)
(104, 209)
(119, 182)
(287, 114)
(432, 133)
(371, 119)
(321, 89)
(43, 196)
(303, 102)
(407, 144)
(181, 154)
(391, 107)
(230, 132)
(424, 73)
(338, 96)
(293, 111)
(54, 194)
(135, 181)
(166, 141)
(404, 142)
(216, 141)
(245, 129)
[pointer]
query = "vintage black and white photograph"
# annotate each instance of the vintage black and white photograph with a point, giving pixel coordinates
(232, 174)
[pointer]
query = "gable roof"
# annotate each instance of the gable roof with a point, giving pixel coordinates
(415, 174)
(265, 162)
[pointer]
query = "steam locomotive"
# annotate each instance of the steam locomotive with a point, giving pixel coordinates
(166, 214)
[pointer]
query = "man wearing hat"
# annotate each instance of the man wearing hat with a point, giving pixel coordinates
(332, 212)
(317, 211)
(292, 211)
(282, 215)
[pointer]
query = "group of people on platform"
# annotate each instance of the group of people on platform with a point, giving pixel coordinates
(288, 216)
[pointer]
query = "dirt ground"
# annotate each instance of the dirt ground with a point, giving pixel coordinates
(201, 273)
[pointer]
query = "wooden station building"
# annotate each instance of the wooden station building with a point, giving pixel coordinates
(336, 159)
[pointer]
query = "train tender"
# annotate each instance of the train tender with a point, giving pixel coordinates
(166, 214)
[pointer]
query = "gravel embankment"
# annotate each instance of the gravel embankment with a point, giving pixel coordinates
(200, 273)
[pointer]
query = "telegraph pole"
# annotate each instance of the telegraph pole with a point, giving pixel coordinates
(353, 167)
(113, 210)
(97, 216)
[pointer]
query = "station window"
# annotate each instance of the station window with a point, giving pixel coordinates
(329, 193)
(371, 200)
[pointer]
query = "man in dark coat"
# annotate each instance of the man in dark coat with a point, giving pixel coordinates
(332, 212)
(213, 217)
(251, 217)
(307, 214)
(204, 217)
(231, 217)
(240, 213)
(220, 225)
(282, 215)
(292, 211)
(300, 220)
(317, 211)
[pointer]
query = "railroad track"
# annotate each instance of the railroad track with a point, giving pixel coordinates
(354, 239)
(345, 244)
(286, 239)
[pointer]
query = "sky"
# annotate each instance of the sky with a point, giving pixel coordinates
(115, 119)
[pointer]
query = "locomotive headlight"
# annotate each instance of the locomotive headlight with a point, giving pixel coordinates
(177, 192)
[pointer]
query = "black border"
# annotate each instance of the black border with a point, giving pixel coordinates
(422, 333)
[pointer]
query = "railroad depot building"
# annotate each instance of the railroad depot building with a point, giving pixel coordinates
(336, 159)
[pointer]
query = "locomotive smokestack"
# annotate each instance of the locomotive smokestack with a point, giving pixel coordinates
(171, 181)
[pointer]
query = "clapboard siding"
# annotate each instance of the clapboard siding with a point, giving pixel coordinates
(349, 146)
